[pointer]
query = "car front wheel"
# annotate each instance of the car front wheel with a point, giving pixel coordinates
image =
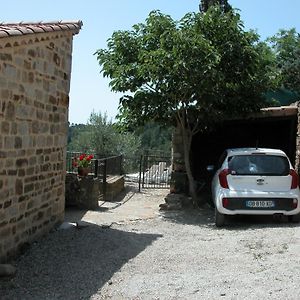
(219, 218)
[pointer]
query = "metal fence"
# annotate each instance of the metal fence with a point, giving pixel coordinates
(155, 171)
(111, 165)
(150, 171)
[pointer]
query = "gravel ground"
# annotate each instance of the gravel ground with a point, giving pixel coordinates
(130, 250)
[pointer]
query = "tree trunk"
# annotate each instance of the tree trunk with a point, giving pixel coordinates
(187, 142)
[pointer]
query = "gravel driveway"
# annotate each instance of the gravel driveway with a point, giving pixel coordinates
(130, 250)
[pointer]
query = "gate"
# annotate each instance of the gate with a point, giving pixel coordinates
(155, 171)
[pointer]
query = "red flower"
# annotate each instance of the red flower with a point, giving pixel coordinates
(84, 160)
(88, 158)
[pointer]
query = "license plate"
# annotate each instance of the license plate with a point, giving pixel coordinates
(260, 203)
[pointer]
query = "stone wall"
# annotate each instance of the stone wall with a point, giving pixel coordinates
(34, 87)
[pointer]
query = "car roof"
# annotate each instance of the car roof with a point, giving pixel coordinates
(245, 151)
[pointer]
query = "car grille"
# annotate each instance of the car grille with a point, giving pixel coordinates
(280, 204)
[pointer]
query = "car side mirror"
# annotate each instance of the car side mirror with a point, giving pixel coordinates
(210, 168)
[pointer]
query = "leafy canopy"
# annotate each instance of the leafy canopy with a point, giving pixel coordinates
(206, 4)
(101, 137)
(204, 63)
(286, 46)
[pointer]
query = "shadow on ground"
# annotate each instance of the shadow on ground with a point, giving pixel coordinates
(73, 263)
(189, 216)
(204, 217)
(242, 222)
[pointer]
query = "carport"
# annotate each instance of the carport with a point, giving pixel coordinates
(274, 127)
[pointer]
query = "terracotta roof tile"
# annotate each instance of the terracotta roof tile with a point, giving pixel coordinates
(23, 28)
(3, 34)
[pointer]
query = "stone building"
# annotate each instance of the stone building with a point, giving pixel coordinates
(35, 70)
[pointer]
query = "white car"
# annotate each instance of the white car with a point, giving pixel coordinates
(255, 181)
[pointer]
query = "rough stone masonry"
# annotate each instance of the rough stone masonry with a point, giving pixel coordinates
(35, 69)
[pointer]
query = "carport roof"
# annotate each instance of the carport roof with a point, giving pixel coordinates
(280, 111)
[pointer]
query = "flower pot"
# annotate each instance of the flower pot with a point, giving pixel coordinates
(83, 171)
(178, 167)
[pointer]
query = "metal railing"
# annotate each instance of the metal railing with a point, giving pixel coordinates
(111, 165)
(101, 168)
(155, 171)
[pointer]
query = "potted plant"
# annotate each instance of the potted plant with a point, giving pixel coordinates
(83, 164)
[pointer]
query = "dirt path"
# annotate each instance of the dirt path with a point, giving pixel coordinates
(130, 250)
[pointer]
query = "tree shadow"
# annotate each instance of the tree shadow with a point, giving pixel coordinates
(190, 216)
(73, 263)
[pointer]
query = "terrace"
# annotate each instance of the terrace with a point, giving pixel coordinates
(104, 181)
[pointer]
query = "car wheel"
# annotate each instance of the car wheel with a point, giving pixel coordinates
(294, 218)
(219, 218)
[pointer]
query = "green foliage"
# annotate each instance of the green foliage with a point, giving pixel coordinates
(104, 139)
(190, 73)
(100, 136)
(206, 4)
(155, 138)
(205, 64)
(286, 46)
(79, 137)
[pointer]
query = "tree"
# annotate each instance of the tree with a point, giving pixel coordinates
(101, 137)
(286, 46)
(188, 74)
(155, 137)
(79, 138)
(206, 4)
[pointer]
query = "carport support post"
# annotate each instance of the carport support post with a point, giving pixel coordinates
(140, 173)
(297, 151)
(120, 165)
(104, 178)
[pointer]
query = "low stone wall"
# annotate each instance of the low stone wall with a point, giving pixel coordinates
(114, 186)
(86, 192)
(72, 189)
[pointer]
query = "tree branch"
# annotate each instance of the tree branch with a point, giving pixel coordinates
(151, 88)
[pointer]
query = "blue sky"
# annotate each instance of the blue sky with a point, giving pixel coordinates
(89, 90)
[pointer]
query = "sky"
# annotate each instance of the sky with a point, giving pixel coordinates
(89, 91)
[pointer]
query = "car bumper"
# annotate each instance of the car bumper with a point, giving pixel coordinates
(237, 202)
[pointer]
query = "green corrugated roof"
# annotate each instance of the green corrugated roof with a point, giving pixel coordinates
(282, 97)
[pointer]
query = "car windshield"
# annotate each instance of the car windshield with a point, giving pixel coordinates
(258, 164)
